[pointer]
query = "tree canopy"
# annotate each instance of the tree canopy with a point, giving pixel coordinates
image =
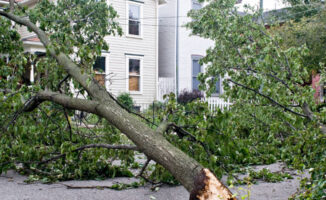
(267, 76)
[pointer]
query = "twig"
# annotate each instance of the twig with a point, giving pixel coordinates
(87, 187)
(61, 82)
(183, 133)
(144, 167)
(130, 111)
(270, 99)
(69, 125)
(107, 146)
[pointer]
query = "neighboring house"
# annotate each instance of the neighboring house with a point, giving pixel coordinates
(179, 53)
(131, 65)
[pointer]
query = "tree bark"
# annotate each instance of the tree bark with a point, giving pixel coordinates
(202, 183)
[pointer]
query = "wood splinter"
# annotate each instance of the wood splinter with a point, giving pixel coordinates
(208, 187)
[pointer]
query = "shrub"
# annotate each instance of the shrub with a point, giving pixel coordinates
(126, 100)
(188, 96)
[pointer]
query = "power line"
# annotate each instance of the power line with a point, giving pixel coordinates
(174, 17)
(183, 25)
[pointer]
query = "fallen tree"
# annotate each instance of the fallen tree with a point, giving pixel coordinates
(199, 181)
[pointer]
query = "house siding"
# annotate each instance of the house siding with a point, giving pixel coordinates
(145, 46)
(167, 39)
(189, 46)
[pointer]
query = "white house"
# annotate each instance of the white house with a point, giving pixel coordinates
(179, 53)
(131, 65)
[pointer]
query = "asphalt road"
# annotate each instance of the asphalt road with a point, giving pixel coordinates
(13, 187)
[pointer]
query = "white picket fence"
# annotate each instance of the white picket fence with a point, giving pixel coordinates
(167, 85)
(216, 102)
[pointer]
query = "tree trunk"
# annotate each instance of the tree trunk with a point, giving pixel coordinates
(200, 182)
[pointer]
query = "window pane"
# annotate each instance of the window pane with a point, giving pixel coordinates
(217, 86)
(134, 27)
(134, 19)
(134, 75)
(134, 12)
(195, 67)
(99, 65)
(195, 83)
(134, 67)
(134, 83)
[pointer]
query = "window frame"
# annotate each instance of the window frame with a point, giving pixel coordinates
(140, 4)
(195, 57)
(141, 77)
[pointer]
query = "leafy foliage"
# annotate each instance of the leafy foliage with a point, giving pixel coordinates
(264, 175)
(45, 142)
(310, 32)
(267, 81)
(303, 8)
(216, 139)
(126, 100)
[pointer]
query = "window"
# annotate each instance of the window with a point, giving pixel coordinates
(196, 69)
(196, 5)
(134, 22)
(134, 74)
(99, 69)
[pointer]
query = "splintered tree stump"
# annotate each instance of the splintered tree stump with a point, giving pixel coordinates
(208, 187)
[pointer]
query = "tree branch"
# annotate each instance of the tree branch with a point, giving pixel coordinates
(311, 116)
(267, 97)
(12, 5)
(90, 146)
(61, 82)
(266, 74)
(288, 67)
(163, 127)
(64, 100)
(144, 167)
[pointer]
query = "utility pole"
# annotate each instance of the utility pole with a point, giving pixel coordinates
(177, 52)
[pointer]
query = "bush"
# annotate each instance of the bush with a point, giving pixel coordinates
(126, 100)
(188, 96)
